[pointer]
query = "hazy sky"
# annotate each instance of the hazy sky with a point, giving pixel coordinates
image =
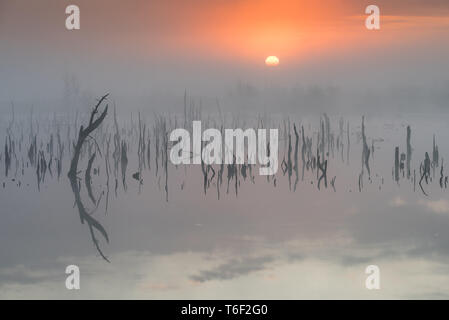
(134, 48)
(271, 241)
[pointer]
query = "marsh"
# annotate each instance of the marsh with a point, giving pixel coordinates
(362, 149)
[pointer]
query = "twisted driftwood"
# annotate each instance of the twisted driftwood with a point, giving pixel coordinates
(84, 133)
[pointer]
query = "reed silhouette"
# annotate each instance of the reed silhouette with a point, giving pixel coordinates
(132, 152)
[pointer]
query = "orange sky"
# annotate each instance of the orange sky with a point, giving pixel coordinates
(215, 42)
(253, 29)
(246, 30)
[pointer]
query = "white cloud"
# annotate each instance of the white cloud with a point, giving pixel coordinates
(437, 206)
(398, 202)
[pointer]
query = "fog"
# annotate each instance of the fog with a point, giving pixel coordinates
(147, 55)
(140, 227)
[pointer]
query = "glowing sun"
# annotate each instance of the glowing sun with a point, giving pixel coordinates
(272, 61)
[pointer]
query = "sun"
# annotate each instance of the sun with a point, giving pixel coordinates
(272, 61)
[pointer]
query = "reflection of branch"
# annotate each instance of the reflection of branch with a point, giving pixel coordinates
(423, 175)
(84, 215)
(96, 144)
(425, 172)
(88, 179)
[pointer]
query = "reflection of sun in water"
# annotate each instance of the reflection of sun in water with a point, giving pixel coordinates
(272, 61)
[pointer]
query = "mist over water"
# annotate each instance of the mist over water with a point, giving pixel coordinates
(363, 150)
(184, 232)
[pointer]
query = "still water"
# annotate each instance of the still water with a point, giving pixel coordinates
(258, 238)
